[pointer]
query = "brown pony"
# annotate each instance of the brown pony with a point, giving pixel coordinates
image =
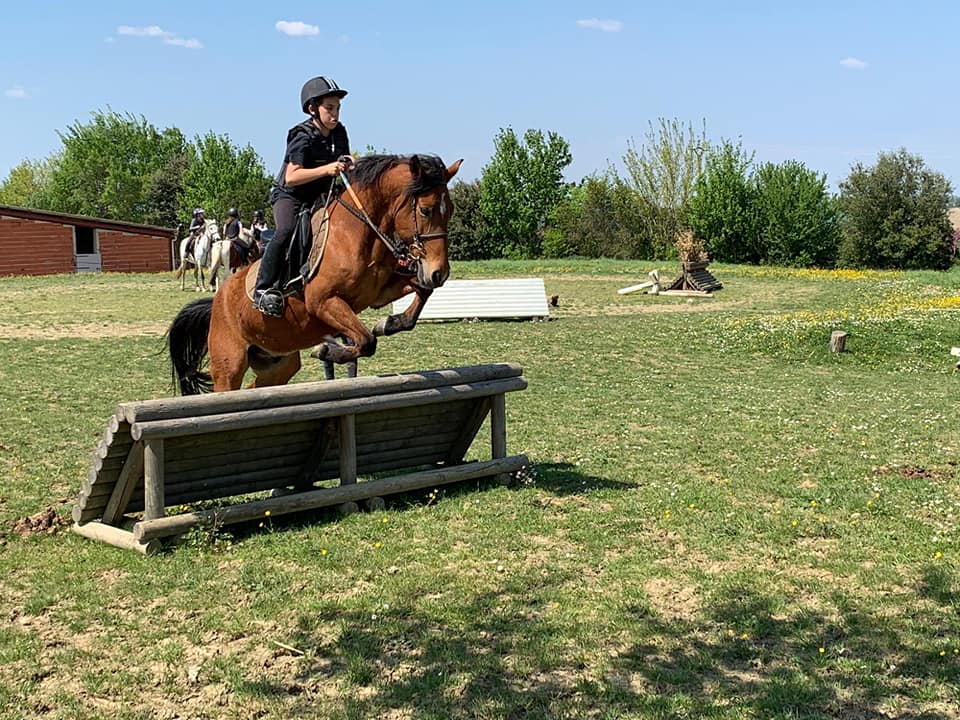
(387, 238)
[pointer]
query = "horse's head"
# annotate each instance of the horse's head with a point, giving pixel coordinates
(426, 224)
(419, 210)
(212, 230)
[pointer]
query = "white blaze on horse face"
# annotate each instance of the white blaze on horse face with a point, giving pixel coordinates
(443, 205)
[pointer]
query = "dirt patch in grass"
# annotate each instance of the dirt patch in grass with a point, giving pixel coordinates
(46, 521)
(82, 330)
(672, 600)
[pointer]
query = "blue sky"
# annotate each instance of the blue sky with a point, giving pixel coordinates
(826, 83)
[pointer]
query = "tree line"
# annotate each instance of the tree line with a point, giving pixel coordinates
(892, 214)
(120, 167)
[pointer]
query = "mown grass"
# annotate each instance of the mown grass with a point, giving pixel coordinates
(727, 520)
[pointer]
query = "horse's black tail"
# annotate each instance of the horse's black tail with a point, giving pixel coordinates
(187, 341)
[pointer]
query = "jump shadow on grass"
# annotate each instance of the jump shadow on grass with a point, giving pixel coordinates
(557, 478)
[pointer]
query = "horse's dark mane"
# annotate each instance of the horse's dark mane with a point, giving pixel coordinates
(369, 169)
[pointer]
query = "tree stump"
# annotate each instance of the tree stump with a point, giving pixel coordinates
(838, 341)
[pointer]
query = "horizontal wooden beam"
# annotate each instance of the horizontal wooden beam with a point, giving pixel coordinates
(175, 525)
(220, 422)
(309, 393)
(118, 537)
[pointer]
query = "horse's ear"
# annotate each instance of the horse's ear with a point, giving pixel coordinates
(452, 170)
(415, 166)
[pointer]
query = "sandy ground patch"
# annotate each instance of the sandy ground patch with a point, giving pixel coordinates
(82, 330)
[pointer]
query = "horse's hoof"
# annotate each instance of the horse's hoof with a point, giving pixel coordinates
(320, 352)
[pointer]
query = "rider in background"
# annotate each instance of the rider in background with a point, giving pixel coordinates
(231, 232)
(310, 165)
(197, 225)
(257, 227)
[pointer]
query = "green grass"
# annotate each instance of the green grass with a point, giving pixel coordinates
(726, 520)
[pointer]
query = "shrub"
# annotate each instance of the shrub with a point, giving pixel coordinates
(795, 218)
(894, 215)
(721, 210)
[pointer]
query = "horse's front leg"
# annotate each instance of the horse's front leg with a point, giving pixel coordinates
(407, 320)
(337, 314)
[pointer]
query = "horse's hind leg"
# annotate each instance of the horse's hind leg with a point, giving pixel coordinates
(272, 370)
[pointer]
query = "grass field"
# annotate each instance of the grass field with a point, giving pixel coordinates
(725, 521)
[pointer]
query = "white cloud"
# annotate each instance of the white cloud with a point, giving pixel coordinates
(297, 28)
(155, 31)
(852, 63)
(192, 43)
(605, 25)
(149, 31)
(17, 92)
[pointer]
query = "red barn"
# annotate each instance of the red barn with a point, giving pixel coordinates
(38, 242)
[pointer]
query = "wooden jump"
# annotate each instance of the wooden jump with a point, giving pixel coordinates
(158, 456)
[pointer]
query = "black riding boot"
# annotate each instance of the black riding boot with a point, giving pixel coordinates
(266, 297)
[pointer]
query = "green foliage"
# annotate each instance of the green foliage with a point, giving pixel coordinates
(222, 175)
(602, 217)
(116, 166)
(519, 187)
(664, 172)
(796, 219)
(721, 210)
(894, 215)
(469, 239)
(26, 184)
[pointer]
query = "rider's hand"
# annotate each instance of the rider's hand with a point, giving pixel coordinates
(339, 165)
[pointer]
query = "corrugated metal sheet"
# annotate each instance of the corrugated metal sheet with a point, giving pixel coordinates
(512, 298)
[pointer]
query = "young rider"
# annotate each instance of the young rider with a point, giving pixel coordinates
(257, 227)
(197, 225)
(310, 165)
(231, 232)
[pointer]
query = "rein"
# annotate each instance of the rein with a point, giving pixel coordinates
(407, 255)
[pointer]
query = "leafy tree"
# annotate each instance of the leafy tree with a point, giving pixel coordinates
(222, 175)
(796, 219)
(894, 215)
(107, 167)
(663, 172)
(603, 217)
(721, 211)
(469, 236)
(520, 186)
(26, 184)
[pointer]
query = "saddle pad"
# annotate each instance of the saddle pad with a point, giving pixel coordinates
(319, 227)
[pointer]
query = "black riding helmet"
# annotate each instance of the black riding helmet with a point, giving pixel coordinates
(319, 87)
(232, 212)
(258, 214)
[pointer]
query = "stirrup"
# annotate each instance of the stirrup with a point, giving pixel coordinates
(269, 302)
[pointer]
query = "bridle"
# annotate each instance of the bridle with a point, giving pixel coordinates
(407, 253)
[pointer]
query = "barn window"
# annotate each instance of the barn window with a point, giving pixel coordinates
(86, 240)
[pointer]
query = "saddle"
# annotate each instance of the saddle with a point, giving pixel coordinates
(303, 255)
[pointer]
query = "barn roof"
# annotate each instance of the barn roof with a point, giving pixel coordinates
(83, 221)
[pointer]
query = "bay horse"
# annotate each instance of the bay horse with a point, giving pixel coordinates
(387, 238)
(225, 254)
(199, 256)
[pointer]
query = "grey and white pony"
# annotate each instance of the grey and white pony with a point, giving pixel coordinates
(200, 256)
(220, 256)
